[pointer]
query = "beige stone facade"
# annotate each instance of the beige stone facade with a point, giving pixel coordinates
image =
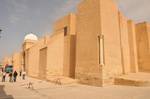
(95, 45)
(15, 60)
(143, 46)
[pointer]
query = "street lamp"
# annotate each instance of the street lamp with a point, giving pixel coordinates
(0, 32)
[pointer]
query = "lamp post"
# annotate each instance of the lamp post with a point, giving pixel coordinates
(0, 33)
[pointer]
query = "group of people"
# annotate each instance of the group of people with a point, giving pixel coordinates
(12, 76)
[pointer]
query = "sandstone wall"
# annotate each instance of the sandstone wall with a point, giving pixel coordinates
(96, 18)
(125, 51)
(55, 55)
(67, 26)
(68, 21)
(17, 61)
(32, 59)
(88, 70)
(69, 56)
(7, 60)
(133, 47)
(112, 41)
(142, 34)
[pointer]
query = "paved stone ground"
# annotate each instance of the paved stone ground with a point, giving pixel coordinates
(46, 90)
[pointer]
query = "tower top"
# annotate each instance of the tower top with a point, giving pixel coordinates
(31, 36)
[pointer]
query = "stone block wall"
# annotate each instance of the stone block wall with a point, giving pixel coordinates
(143, 47)
(112, 40)
(17, 61)
(55, 55)
(88, 70)
(133, 47)
(124, 39)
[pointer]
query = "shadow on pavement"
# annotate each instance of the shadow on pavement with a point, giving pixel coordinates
(3, 94)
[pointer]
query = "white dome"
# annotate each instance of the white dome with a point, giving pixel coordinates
(31, 37)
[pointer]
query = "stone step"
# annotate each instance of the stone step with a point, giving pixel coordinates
(136, 79)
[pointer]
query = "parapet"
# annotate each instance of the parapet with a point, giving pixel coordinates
(67, 24)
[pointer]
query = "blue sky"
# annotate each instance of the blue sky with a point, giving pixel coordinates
(20, 17)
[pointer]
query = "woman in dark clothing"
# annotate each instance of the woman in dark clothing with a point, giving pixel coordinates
(15, 76)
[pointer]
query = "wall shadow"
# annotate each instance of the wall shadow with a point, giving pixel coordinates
(3, 94)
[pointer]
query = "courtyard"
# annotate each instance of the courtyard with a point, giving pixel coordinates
(46, 90)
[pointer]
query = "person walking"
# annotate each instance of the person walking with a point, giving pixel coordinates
(10, 77)
(23, 75)
(3, 76)
(15, 76)
(20, 73)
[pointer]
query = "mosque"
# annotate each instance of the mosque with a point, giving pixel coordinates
(95, 45)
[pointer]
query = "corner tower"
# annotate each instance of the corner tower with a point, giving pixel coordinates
(98, 55)
(29, 41)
